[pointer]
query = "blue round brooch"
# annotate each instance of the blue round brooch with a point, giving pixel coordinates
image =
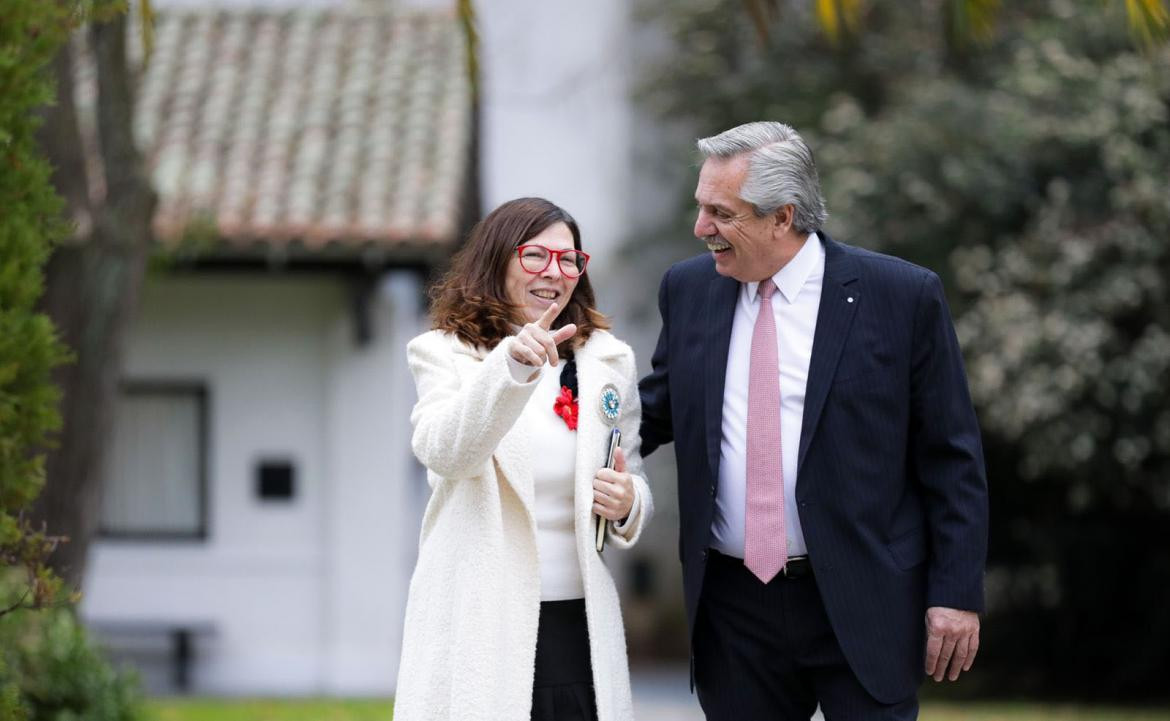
(611, 403)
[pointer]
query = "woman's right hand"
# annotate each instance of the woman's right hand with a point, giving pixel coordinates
(535, 343)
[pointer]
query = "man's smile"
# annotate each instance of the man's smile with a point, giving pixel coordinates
(715, 244)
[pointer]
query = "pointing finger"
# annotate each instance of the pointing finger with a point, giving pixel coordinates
(548, 316)
(562, 334)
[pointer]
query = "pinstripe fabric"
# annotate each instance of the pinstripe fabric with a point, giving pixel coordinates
(765, 548)
(890, 487)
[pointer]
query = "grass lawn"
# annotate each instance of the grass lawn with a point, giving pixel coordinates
(269, 710)
(934, 711)
(380, 710)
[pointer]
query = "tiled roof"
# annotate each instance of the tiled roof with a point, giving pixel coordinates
(307, 127)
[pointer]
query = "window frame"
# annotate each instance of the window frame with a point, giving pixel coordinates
(187, 388)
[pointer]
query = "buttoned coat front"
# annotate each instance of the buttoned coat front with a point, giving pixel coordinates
(469, 642)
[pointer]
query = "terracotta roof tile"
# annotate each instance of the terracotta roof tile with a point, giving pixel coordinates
(346, 126)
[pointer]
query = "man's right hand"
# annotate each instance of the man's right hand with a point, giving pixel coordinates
(952, 640)
(535, 343)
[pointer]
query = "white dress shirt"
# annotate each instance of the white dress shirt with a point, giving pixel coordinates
(795, 306)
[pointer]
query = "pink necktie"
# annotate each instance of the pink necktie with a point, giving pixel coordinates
(765, 548)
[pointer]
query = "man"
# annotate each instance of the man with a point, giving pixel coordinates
(832, 498)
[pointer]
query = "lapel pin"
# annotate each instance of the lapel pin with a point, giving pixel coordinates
(611, 404)
(610, 407)
(849, 299)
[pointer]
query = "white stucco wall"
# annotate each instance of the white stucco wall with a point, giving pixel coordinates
(306, 595)
(378, 493)
(555, 112)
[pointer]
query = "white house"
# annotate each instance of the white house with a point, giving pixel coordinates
(315, 160)
(260, 520)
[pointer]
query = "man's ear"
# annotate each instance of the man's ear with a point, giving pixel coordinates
(782, 219)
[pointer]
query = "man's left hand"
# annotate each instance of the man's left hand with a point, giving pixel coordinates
(952, 640)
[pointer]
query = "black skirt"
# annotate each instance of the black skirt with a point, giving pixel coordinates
(562, 689)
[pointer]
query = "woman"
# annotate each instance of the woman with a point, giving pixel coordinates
(512, 613)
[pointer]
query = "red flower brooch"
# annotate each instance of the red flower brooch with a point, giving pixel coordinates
(566, 408)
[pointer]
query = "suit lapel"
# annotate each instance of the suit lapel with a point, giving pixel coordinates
(721, 298)
(840, 297)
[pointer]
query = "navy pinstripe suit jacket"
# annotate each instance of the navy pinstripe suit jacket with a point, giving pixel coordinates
(890, 489)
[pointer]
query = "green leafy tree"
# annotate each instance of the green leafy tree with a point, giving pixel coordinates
(963, 21)
(49, 670)
(92, 281)
(29, 38)
(1030, 171)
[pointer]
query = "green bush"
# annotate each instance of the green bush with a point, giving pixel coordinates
(30, 221)
(50, 670)
(1031, 174)
(11, 709)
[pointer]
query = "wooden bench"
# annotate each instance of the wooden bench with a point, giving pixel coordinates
(180, 635)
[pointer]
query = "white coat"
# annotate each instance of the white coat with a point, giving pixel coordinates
(469, 642)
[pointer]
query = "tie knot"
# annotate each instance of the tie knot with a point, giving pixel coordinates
(766, 289)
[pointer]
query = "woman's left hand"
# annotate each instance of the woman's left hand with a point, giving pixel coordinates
(613, 490)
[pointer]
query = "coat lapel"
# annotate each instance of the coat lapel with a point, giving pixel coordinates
(721, 295)
(592, 431)
(840, 297)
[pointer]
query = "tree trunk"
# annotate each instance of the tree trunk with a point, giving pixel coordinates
(91, 291)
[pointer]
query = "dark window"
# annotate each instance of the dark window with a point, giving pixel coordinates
(156, 467)
(275, 480)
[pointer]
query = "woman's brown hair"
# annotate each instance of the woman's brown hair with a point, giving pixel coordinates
(471, 301)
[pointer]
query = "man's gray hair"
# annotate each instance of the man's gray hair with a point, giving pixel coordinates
(780, 172)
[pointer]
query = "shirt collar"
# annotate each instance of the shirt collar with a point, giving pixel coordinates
(791, 278)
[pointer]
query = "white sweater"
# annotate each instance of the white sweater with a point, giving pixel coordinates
(554, 450)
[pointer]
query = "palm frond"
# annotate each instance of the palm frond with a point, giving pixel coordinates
(973, 19)
(1149, 21)
(838, 17)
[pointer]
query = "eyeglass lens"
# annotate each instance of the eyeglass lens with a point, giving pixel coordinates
(535, 259)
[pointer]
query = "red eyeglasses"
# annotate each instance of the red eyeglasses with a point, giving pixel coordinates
(536, 258)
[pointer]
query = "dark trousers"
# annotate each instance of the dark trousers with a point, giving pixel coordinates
(562, 688)
(768, 653)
